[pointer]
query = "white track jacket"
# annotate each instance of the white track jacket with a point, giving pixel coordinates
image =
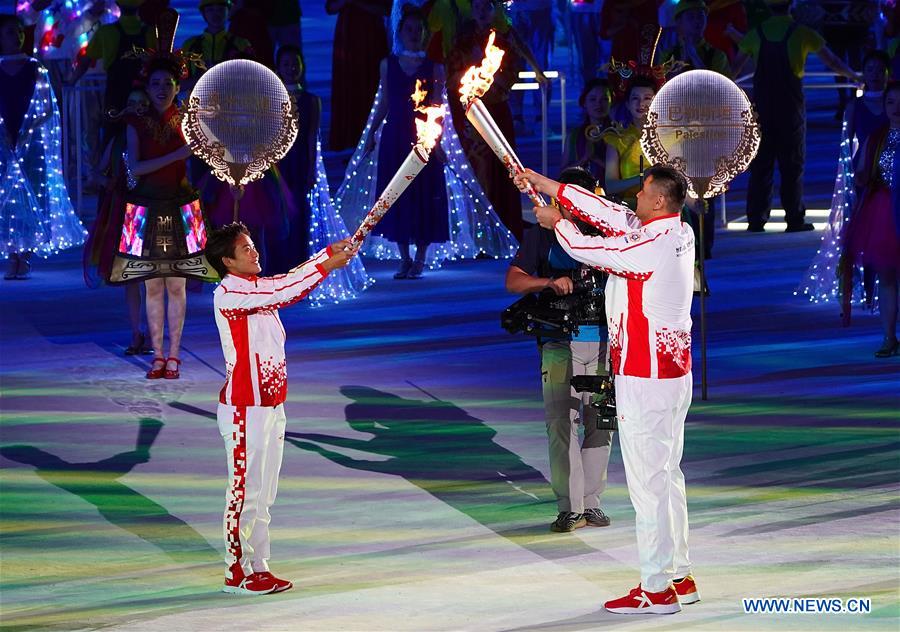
(251, 332)
(648, 295)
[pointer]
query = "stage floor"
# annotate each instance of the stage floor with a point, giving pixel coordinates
(414, 491)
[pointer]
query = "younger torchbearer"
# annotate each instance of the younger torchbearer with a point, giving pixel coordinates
(251, 404)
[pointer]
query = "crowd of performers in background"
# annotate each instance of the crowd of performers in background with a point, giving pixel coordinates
(464, 204)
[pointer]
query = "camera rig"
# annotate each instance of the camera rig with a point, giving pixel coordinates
(547, 316)
(553, 317)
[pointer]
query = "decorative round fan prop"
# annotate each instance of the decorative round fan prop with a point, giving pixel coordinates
(241, 120)
(702, 123)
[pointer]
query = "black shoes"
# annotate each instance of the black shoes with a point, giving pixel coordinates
(799, 228)
(888, 349)
(568, 521)
(405, 266)
(410, 269)
(596, 518)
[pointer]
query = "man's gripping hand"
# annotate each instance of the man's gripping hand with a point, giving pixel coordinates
(561, 286)
(342, 253)
(541, 184)
(547, 216)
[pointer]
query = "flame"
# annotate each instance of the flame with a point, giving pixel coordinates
(429, 130)
(478, 79)
(418, 95)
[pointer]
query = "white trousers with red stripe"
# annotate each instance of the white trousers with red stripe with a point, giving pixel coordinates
(254, 443)
(651, 434)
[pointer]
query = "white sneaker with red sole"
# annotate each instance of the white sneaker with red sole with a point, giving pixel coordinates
(280, 584)
(236, 583)
(640, 601)
(686, 588)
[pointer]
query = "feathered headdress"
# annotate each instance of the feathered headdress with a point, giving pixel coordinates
(165, 55)
(623, 74)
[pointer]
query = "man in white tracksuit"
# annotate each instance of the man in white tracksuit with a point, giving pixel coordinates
(649, 255)
(250, 414)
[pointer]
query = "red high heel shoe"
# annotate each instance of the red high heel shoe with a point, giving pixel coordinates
(155, 374)
(172, 374)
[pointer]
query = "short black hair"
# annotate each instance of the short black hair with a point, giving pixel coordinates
(579, 176)
(220, 244)
(673, 184)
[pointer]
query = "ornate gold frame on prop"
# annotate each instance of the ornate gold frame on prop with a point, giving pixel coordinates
(214, 152)
(703, 124)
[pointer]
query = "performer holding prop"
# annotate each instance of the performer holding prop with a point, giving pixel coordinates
(164, 227)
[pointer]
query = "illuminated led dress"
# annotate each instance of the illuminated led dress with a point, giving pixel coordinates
(872, 236)
(164, 229)
(35, 212)
(308, 211)
(474, 227)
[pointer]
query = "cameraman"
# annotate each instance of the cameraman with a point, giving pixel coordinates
(649, 253)
(577, 468)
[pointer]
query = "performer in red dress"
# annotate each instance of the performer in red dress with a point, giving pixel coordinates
(164, 230)
(360, 43)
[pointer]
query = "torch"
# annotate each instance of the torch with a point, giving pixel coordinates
(475, 82)
(427, 133)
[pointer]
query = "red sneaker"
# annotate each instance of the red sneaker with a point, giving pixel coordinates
(237, 583)
(686, 588)
(281, 584)
(640, 601)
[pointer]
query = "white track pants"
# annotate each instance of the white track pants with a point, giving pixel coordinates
(651, 435)
(254, 443)
(577, 467)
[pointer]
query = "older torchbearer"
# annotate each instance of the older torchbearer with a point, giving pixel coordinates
(649, 255)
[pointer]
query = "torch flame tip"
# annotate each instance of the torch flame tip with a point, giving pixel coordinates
(478, 79)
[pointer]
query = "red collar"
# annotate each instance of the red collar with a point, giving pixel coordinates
(655, 219)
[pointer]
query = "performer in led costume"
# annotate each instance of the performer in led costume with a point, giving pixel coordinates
(863, 116)
(649, 255)
(164, 229)
(307, 213)
(474, 227)
(872, 236)
(418, 216)
(36, 215)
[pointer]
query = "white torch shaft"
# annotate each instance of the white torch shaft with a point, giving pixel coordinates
(484, 123)
(414, 163)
